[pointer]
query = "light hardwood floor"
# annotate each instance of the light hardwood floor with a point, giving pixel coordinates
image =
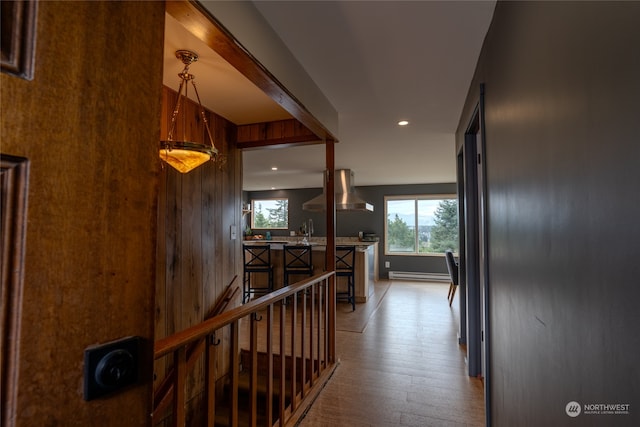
(401, 366)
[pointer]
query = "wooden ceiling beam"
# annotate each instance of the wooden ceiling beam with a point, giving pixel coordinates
(280, 133)
(207, 28)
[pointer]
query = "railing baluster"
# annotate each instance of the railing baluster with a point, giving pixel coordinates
(303, 341)
(210, 385)
(317, 331)
(322, 331)
(325, 299)
(235, 372)
(320, 335)
(180, 373)
(270, 364)
(294, 322)
(311, 331)
(253, 373)
(317, 365)
(283, 319)
(302, 365)
(323, 325)
(331, 327)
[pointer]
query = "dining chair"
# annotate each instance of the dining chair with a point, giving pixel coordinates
(452, 266)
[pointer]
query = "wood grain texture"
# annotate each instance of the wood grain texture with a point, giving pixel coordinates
(89, 123)
(196, 258)
(282, 133)
(405, 369)
(14, 183)
(18, 37)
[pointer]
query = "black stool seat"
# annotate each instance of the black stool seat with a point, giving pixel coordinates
(297, 260)
(257, 259)
(345, 268)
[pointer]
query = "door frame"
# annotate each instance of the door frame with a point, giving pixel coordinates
(474, 265)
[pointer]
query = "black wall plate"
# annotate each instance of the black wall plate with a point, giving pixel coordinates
(110, 367)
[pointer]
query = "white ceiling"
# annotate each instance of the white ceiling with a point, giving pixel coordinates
(220, 86)
(377, 62)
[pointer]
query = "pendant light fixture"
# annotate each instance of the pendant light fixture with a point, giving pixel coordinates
(185, 155)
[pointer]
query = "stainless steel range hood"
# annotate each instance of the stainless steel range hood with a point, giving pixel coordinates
(346, 197)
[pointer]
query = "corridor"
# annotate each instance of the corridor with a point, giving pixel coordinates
(400, 364)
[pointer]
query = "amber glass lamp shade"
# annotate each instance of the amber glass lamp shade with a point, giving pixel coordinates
(185, 156)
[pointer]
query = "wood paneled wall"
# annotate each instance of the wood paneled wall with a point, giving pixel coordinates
(197, 258)
(89, 124)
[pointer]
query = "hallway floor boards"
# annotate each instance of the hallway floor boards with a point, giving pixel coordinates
(404, 369)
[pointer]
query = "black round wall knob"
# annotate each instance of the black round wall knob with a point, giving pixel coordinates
(115, 368)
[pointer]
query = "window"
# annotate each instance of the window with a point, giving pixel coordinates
(270, 214)
(421, 225)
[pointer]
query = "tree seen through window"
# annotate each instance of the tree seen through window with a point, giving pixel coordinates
(270, 214)
(421, 226)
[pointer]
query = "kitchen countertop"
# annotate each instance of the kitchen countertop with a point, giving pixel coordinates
(366, 260)
(318, 243)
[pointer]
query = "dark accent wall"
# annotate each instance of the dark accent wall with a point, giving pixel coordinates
(562, 159)
(348, 224)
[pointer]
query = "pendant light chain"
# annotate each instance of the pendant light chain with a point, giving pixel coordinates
(186, 155)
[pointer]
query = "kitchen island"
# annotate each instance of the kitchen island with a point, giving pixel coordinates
(366, 268)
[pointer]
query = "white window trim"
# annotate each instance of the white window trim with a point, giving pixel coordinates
(254, 211)
(416, 197)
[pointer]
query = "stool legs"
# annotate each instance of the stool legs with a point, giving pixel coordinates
(350, 294)
(246, 287)
(247, 290)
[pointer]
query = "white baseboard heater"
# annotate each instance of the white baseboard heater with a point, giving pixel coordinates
(416, 275)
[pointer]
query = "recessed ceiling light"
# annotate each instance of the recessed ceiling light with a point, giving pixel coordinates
(274, 168)
(403, 123)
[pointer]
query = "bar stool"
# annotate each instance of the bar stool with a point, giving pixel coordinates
(346, 267)
(256, 259)
(297, 260)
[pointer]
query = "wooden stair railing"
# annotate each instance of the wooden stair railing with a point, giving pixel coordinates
(301, 340)
(164, 391)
